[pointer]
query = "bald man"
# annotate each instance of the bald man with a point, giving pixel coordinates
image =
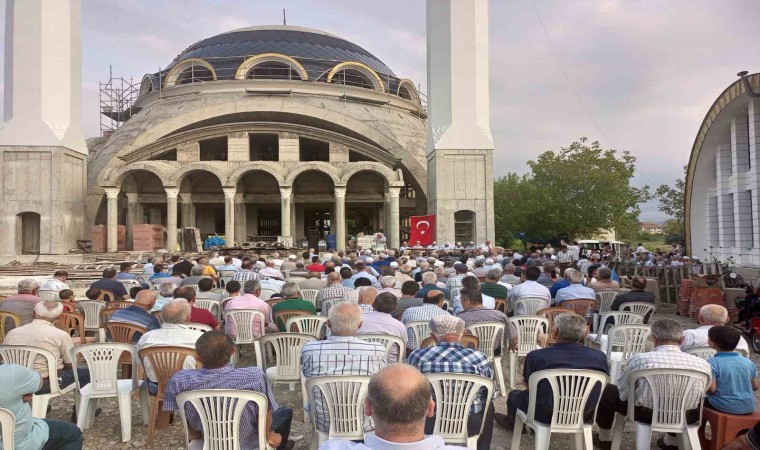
(399, 411)
(139, 313)
(708, 317)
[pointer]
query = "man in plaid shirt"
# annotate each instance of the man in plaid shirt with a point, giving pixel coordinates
(334, 289)
(448, 355)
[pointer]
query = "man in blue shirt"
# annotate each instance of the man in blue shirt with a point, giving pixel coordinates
(138, 314)
(124, 274)
(575, 290)
(108, 283)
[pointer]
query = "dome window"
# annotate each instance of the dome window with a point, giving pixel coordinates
(407, 91)
(272, 70)
(356, 75)
(192, 70)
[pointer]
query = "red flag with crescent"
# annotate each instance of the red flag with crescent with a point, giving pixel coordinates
(422, 229)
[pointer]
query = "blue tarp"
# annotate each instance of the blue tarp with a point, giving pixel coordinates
(213, 241)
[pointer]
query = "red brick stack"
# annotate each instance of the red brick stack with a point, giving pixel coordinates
(147, 237)
(99, 237)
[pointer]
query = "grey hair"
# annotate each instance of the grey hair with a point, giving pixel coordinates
(548, 266)
(251, 286)
(197, 271)
(48, 309)
(714, 314)
(345, 317)
(166, 289)
(510, 268)
(667, 330)
(429, 278)
(176, 311)
(603, 273)
(290, 289)
(387, 281)
(571, 327)
(494, 274)
(27, 285)
(574, 276)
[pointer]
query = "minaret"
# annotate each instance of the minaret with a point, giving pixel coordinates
(42, 148)
(460, 145)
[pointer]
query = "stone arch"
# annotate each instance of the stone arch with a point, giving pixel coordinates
(174, 72)
(117, 178)
(177, 177)
(410, 88)
(253, 61)
(364, 69)
(323, 167)
(352, 169)
(235, 176)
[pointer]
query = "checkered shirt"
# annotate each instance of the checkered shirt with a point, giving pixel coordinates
(331, 291)
(454, 281)
(244, 276)
(228, 377)
(339, 355)
(424, 312)
(663, 357)
(564, 257)
(452, 357)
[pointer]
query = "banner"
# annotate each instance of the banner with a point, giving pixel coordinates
(421, 230)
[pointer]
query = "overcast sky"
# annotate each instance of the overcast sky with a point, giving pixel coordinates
(646, 70)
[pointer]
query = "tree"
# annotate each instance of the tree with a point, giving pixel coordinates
(578, 190)
(672, 198)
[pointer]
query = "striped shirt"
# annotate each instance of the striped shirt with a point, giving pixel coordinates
(228, 377)
(339, 355)
(452, 357)
(245, 275)
(424, 312)
(43, 334)
(663, 357)
(136, 316)
(169, 334)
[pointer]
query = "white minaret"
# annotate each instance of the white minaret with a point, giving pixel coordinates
(460, 146)
(42, 147)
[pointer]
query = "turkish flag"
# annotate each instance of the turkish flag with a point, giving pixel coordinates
(422, 229)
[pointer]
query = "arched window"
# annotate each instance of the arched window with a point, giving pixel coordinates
(194, 74)
(407, 91)
(193, 70)
(464, 226)
(146, 86)
(272, 70)
(356, 75)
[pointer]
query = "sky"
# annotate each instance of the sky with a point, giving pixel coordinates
(636, 75)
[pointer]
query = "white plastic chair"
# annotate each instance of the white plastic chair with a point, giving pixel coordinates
(571, 389)
(199, 327)
(490, 337)
(454, 395)
(211, 305)
(604, 299)
(529, 305)
(343, 400)
(312, 325)
(310, 295)
(618, 318)
(420, 330)
(103, 361)
(286, 368)
(702, 352)
(90, 309)
(243, 320)
(266, 294)
(25, 355)
(671, 388)
(645, 309)
(628, 340)
(528, 329)
(389, 341)
(7, 428)
(220, 411)
(48, 295)
(129, 284)
(329, 303)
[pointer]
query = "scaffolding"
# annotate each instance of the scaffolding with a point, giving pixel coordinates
(117, 98)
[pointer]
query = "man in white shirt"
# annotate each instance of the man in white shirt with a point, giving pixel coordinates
(575, 249)
(531, 288)
(708, 317)
(58, 283)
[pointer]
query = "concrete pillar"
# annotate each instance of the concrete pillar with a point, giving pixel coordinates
(340, 217)
(112, 219)
(229, 216)
(240, 218)
(171, 218)
(393, 233)
(289, 147)
(238, 146)
(187, 209)
(285, 211)
(133, 209)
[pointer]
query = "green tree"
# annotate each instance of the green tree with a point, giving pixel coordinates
(673, 231)
(671, 198)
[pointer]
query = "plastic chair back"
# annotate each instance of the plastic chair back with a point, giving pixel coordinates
(629, 340)
(528, 328)
(123, 332)
(529, 306)
(388, 341)
(420, 330)
(702, 352)
(490, 336)
(343, 398)
(211, 305)
(671, 390)
(166, 361)
(202, 327)
(103, 360)
(329, 303)
(128, 284)
(220, 411)
(605, 299)
(310, 295)
(7, 428)
(571, 389)
(48, 295)
(454, 395)
(266, 294)
(244, 322)
(119, 305)
(91, 309)
(8, 316)
(645, 309)
(312, 325)
(282, 316)
(619, 318)
(550, 314)
(25, 355)
(468, 341)
(287, 351)
(582, 307)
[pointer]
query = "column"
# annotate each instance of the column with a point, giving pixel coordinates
(187, 209)
(112, 219)
(393, 234)
(285, 211)
(340, 217)
(171, 218)
(229, 216)
(133, 207)
(240, 218)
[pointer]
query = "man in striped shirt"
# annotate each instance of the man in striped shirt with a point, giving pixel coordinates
(431, 307)
(342, 354)
(334, 289)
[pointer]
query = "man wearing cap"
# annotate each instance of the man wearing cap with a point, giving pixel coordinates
(480, 270)
(22, 303)
(289, 264)
(450, 356)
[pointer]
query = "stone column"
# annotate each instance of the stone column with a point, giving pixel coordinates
(133, 207)
(340, 217)
(285, 197)
(171, 218)
(229, 216)
(112, 219)
(393, 233)
(187, 209)
(240, 218)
